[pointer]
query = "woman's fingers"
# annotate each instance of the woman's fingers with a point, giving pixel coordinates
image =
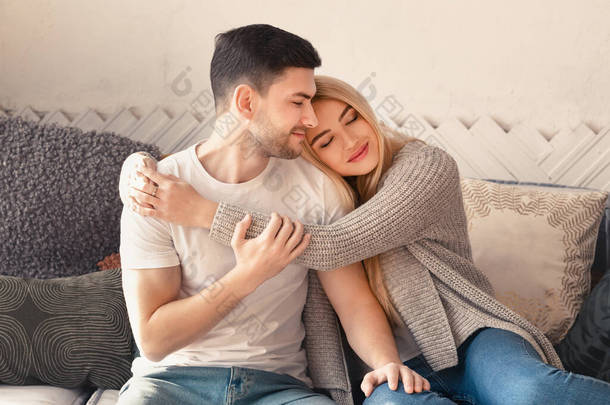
(369, 382)
(148, 188)
(141, 197)
(392, 375)
(140, 209)
(407, 381)
(154, 175)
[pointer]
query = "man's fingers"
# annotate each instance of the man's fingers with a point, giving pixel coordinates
(285, 231)
(300, 248)
(272, 227)
(296, 236)
(239, 234)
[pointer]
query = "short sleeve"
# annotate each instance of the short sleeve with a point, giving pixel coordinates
(146, 242)
(334, 206)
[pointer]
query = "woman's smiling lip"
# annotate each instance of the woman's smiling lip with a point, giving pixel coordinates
(360, 153)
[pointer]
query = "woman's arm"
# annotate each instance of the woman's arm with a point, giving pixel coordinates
(353, 300)
(421, 188)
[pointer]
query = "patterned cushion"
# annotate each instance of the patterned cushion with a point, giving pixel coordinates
(586, 347)
(67, 332)
(60, 210)
(536, 245)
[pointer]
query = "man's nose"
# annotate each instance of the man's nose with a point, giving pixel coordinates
(309, 118)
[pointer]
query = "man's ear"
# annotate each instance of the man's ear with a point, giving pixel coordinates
(243, 99)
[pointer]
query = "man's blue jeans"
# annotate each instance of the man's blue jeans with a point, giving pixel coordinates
(496, 366)
(217, 386)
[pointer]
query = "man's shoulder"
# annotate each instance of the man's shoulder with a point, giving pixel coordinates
(173, 163)
(299, 173)
(311, 185)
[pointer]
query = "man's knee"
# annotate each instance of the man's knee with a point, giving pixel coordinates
(143, 391)
(382, 394)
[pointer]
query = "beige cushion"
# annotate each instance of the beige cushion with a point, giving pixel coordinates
(536, 245)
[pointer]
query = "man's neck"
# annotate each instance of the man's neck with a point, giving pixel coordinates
(231, 159)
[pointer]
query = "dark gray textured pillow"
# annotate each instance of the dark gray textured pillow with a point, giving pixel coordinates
(60, 209)
(68, 332)
(586, 347)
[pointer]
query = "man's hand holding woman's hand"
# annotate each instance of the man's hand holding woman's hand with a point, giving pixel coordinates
(393, 373)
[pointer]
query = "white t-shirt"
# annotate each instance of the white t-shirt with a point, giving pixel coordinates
(265, 331)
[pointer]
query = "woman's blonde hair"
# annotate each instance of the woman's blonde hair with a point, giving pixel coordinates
(359, 189)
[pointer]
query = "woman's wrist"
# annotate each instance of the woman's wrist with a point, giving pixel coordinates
(205, 212)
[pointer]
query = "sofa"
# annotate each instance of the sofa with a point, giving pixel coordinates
(64, 333)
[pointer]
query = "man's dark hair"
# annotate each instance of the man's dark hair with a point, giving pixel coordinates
(255, 55)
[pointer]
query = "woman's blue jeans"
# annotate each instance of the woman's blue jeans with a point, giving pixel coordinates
(496, 366)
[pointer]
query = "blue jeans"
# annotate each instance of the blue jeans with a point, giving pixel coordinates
(215, 386)
(496, 366)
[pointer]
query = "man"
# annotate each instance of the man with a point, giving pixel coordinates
(215, 325)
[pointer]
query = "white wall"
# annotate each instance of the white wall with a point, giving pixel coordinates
(543, 63)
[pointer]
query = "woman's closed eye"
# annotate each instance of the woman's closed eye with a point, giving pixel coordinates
(347, 123)
(327, 143)
(353, 119)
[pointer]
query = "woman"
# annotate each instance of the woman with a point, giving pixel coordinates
(408, 225)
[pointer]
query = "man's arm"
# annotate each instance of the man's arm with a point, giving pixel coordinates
(161, 323)
(367, 329)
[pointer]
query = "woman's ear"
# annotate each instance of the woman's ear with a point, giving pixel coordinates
(243, 98)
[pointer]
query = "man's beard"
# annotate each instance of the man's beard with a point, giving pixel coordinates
(270, 140)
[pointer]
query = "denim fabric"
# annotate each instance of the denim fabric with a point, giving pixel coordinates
(215, 386)
(496, 367)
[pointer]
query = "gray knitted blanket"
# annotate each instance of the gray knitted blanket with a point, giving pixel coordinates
(60, 208)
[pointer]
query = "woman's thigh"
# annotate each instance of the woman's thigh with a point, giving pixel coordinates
(499, 367)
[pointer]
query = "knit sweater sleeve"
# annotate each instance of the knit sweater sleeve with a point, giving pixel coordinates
(420, 187)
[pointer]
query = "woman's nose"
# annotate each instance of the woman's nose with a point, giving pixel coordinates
(350, 142)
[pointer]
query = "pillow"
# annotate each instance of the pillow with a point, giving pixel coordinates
(104, 397)
(42, 394)
(586, 347)
(536, 245)
(60, 210)
(67, 332)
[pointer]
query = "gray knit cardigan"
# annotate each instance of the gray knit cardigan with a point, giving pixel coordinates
(417, 222)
